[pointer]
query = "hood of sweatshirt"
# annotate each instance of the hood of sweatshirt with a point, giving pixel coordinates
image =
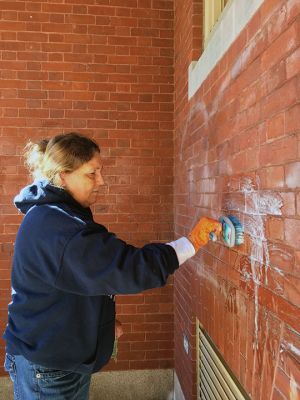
(42, 192)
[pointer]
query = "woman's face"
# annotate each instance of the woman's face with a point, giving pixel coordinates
(83, 184)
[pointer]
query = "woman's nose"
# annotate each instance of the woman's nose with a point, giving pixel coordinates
(99, 178)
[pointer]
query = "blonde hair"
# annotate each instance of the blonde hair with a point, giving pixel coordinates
(62, 153)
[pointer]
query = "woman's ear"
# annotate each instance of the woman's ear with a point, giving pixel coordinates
(62, 179)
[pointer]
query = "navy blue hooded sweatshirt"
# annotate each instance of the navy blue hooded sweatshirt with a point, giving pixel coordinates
(66, 269)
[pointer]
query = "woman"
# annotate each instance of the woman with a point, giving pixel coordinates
(67, 269)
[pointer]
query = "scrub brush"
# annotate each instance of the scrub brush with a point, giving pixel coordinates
(232, 231)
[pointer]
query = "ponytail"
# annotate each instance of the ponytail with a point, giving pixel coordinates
(62, 153)
(34, 155)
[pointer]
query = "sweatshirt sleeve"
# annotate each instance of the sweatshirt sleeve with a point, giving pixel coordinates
(184, 249)
(97, 262)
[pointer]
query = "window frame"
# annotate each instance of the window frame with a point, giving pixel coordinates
(212, 10)
(220, 41)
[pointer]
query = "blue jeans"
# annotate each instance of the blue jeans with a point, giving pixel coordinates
(34, 382)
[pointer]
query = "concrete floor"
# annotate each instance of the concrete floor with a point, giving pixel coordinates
(123, 385)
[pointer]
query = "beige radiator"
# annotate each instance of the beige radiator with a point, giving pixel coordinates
(215, 380)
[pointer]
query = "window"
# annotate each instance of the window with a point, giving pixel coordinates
(225, 29)
(212, 11)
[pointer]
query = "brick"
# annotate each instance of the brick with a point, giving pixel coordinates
(145, 364)
(282, 383)
(276, 76)
(278, 21)
(279, 151)
(293, 9)
(285, 43)
(280, 99)
(281, 256)
(274, 177)
(12, 26)
(293, 64)
(275, 126)
(158, 318)
(32, 37)
(292, 123)
(289, 361)
(291, 290)
(126, 309)
(291, 228)
(292, 175)
(285, 311)
(131, 299)
(144, 346)
(289, 203)
(8, 5)
(275, 229)
(271, 355)
(56, 8)
(277, 395)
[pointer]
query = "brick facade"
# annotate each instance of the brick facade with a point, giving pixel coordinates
(237, 151)
(103, 68)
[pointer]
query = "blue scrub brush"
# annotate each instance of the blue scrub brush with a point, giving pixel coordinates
(232, 231)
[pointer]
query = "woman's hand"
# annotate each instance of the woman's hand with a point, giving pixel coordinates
(199, 235)
(118, 329)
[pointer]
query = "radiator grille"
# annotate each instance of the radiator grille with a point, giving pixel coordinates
(215, 380)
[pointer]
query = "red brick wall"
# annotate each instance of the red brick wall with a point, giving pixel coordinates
(237, 150)
(103, 68)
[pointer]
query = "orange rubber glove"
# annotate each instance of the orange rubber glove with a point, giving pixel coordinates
(199, 236)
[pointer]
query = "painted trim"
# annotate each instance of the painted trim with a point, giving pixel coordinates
(233, 20)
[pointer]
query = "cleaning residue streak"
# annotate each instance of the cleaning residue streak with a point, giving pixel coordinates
(255, 205)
